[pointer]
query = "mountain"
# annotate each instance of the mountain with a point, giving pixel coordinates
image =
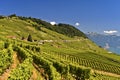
(33, 49)
(113, 41)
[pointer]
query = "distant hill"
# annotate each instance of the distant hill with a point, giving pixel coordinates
(101, 39)
(61, 28)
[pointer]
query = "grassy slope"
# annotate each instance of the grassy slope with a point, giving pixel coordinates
(83, 48)
(20, 28)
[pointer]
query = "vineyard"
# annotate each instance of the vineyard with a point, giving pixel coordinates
(52, 55)
(53, 64)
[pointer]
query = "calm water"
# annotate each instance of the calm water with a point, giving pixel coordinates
(114, 50)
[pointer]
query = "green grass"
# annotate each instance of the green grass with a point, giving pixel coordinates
(103, 77)
(21, 28)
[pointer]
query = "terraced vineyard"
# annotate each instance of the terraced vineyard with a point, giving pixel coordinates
(52, 65)
(53, 56)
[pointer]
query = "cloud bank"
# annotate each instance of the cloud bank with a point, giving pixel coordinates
(111, 31)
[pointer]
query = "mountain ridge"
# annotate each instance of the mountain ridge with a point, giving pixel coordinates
(102, 39)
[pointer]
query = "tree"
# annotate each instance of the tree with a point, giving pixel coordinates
(29, 38)
(23, 38)
(1, 17)
(12, 15)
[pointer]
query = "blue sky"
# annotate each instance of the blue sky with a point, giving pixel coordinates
(93, 15)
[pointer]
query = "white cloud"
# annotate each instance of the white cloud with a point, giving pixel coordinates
(53, 23)
(111, 31)
(77, 24)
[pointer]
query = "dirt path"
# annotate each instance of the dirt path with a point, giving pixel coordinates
(6, 74)
(41, 73)
(106, 73)
(34, 75)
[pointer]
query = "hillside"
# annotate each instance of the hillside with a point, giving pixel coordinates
(59, 52)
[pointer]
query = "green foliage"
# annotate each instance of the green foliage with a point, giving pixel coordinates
(32, 47)
(65, 29)
(1, 45)
(12, 15)
(6, 44)
(96, 76)
(65, 70)
(23, 71)
(29, 38)
(57, 64)
(22, 53)
(61, 68)
(17, 28)
(85, 57)
(2, 17)
(5, 58)
(69, 30)
(48, 66)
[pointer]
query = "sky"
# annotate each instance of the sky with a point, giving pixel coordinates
(101, 16)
